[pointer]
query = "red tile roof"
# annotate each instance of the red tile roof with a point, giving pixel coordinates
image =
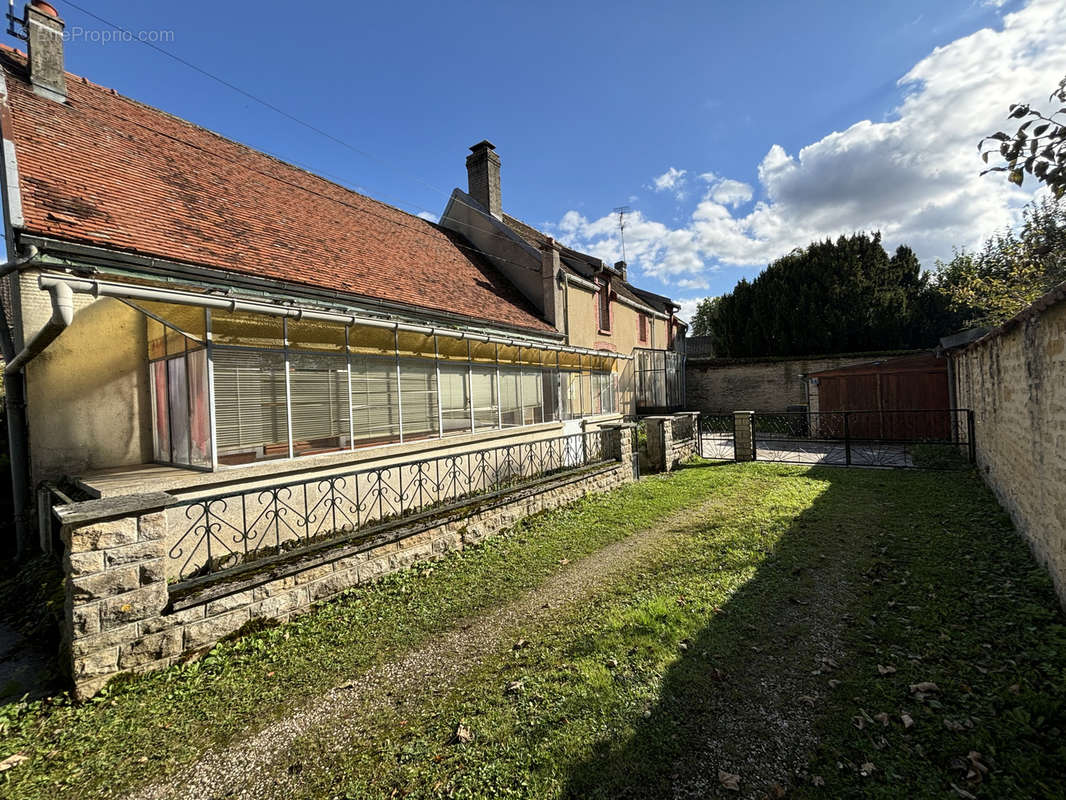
(109, 171)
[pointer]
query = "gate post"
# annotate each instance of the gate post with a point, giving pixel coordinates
(971, 439)
(743, 435)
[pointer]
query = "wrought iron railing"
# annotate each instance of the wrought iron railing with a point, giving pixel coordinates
(716, 437)
(931, 439)
(238, 531)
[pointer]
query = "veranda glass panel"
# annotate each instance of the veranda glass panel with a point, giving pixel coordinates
(250, 419)
(199, 409)
(449, 349)
(318, 388)
(415, 345)
(178, 397)
(483, 352)
(191, 320)
(309, 334)
(533, 382)
(373, 341)
(418, 392)
(157, 341)
(375, 400)
(510, 410)
(161, 429)
(455, 398)
(249, 330)
(486, 398)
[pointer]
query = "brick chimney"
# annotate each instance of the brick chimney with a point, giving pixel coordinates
(44, 38)
(621, 267)
(483, 176)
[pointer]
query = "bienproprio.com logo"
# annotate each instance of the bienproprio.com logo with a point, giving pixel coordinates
(113, 36)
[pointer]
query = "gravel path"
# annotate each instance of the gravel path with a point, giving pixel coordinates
(256, 766)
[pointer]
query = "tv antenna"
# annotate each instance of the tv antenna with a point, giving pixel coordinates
(621, 211)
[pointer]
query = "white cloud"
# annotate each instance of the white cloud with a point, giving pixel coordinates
(428, 216)
(673, 180)
(688, 308)
(915, 177)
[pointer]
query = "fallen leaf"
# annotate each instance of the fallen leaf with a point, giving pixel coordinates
(817, 780)
(521, 644)
(882, 718)
(905, 718)
(858, 722)
(808, 700)
(963, 793)
(729, 780)
(830, 663)
(867, 768)
(564, 561)
(924, 687)
(833, 683)
(513, 687)
(463, 734)
(885, 669)
(611, 663)
(12, 761)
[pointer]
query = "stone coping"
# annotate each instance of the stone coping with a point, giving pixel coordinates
(86, 511)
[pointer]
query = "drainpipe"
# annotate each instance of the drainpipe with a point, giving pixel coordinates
(62, 314)
(15, 402)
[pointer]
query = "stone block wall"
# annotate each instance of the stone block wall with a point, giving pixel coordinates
(672, 439)
(718, 386)
(121, 614)
(1014, 380)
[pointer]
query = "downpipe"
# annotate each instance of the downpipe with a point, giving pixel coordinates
(15, 382)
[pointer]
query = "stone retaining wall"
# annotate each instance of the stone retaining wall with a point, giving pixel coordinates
(121, 614)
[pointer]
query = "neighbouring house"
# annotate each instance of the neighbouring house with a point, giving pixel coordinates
(584, 298)
(184, 314)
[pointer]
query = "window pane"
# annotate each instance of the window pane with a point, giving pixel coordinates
(161, 428)
(190, 320)
(510, 410)
(178, 393)
(571, 395)
(199, 414)
(483, 389)
(157, 345)
(418, 391)
(375, 401)
(250, 419)
(532, 396)
(318, 390)
(454, 398)
(550, 382)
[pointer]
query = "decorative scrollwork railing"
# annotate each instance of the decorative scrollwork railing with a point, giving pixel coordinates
(230, 532)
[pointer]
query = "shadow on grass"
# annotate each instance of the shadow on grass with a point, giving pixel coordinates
(750, 694)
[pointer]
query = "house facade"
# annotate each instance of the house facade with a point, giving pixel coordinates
(183, 314)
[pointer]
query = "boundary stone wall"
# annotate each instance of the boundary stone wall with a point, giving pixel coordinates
(1014, 380)
(672, 439)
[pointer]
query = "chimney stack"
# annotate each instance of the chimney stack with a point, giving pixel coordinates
(483, 176)
(621, 267)
(44, 38)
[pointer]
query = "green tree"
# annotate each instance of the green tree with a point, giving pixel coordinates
(838, 296)
(1012, 269)
(1038, 147)
(702, 321)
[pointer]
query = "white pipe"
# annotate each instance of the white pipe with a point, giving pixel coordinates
(132, 292)
(62, 316)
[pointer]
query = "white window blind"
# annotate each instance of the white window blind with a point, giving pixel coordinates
(418, 392)
(375, 399)
(454, 397)
(318, 388)
(250, 411)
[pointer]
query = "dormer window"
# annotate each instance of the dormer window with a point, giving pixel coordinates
(605, 304)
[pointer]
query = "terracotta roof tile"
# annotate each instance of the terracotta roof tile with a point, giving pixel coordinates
(109, 171)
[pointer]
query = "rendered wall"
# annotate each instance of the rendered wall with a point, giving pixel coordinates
(1015, 382)
(87, 393)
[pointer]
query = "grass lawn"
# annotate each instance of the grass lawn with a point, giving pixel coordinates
(817, 632)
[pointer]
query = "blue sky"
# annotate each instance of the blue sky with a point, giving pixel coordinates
(734, 131)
